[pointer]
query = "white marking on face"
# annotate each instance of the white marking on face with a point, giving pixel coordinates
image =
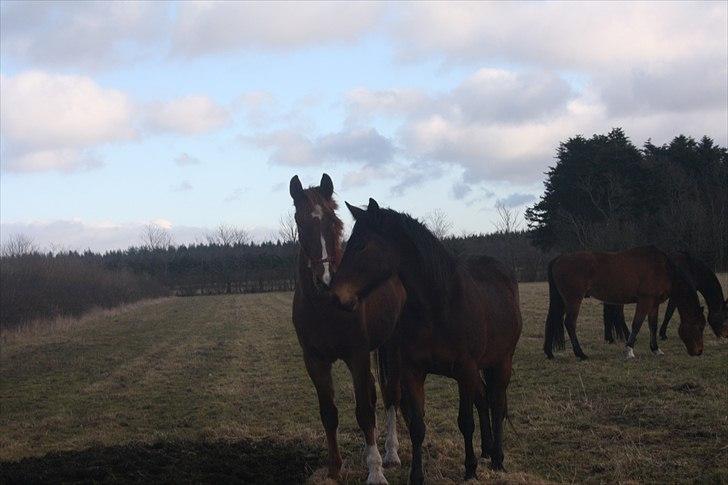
(391, 445)
(374, 463)
(318, 212)
(324, 254)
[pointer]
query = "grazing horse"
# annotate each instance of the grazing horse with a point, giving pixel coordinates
(705, 281)
(460, 318)
(327, 333)
(643, 275)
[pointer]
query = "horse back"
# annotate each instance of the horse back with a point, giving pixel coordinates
(614, 277)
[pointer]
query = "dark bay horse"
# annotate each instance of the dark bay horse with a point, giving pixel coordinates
(327, 333)
(643, 275)
(705, 281)
(460, 318)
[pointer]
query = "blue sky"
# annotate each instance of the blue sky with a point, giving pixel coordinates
(115, 115)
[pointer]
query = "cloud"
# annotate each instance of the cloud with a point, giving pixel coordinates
(188, 115)
(516, 199)
(184, 159)
(89, 35)
(51, 121)
(183, 186)
(561, 34)
(203, 28)
(360, 145)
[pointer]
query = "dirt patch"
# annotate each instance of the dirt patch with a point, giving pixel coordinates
(248, 461)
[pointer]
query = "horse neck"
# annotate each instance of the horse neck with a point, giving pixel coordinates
(708, 284)
(419, 285)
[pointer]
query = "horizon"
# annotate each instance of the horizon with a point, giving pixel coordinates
(192, 115)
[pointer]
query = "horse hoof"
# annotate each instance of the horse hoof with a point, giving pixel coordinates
(663, 336)
(658, 352)
(582, 357)
(498, 467)
(629, 353)
(391, 460)
(375, 478)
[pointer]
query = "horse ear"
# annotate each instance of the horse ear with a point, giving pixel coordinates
(295, 188)
(357, 213)
(326, 187)
(373, 206)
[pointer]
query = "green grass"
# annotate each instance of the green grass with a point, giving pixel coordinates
(212, 386)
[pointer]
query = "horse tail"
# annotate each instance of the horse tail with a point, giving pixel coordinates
(554, 333)
(614, 323)
(382, 367)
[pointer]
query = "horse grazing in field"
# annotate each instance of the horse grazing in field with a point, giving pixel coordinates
(459, 319)
(327, 333)
(643, 275)
(705, 281)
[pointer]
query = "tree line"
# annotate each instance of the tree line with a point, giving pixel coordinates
(605, 193)
(602, 193)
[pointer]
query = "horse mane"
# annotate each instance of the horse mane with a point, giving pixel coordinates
(438, 266)
(705, 280)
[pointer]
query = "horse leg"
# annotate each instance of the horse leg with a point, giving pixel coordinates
(366, 400)
(652, 320)
(498, 385)
(320, 373)
(391, 392)
(668, 315)
(572, 313)
(481, 404)
(644, 305)
(471, 390)
(413, 408)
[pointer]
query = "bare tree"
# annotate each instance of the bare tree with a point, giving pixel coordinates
(287, 228)
(18, 245)
(438, 223)
(508, 221)
(155, 236)
(226, 235)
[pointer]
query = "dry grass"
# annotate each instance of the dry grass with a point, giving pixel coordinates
(220, 376)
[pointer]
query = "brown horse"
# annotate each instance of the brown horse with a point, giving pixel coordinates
(644, 275)
(327, 333)
(459, 319)
(707, 284)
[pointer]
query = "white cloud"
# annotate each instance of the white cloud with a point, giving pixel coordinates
(49, 121)
(358, 145)
(188, 115)
(213, 27)
(90, 35)
(563, 34)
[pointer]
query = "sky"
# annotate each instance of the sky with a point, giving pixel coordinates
(194, 114)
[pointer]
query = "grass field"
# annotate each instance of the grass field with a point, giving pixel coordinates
(213, 389)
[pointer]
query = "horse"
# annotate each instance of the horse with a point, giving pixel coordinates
(460, 318)
(643, 275)
(326, 333)
(707, 284)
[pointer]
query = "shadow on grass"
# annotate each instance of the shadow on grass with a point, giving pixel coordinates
(248, 461)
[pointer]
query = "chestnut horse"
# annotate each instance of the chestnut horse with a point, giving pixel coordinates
(705, 281)
(459, 319)
(327, 333)
(643, 275)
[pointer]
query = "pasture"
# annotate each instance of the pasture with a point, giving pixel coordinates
(213, 388)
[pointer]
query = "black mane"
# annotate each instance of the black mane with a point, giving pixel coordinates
(437, 265)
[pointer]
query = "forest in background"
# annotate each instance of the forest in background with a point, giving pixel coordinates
(603, 193)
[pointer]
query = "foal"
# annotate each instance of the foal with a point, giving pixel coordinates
(327, 333)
